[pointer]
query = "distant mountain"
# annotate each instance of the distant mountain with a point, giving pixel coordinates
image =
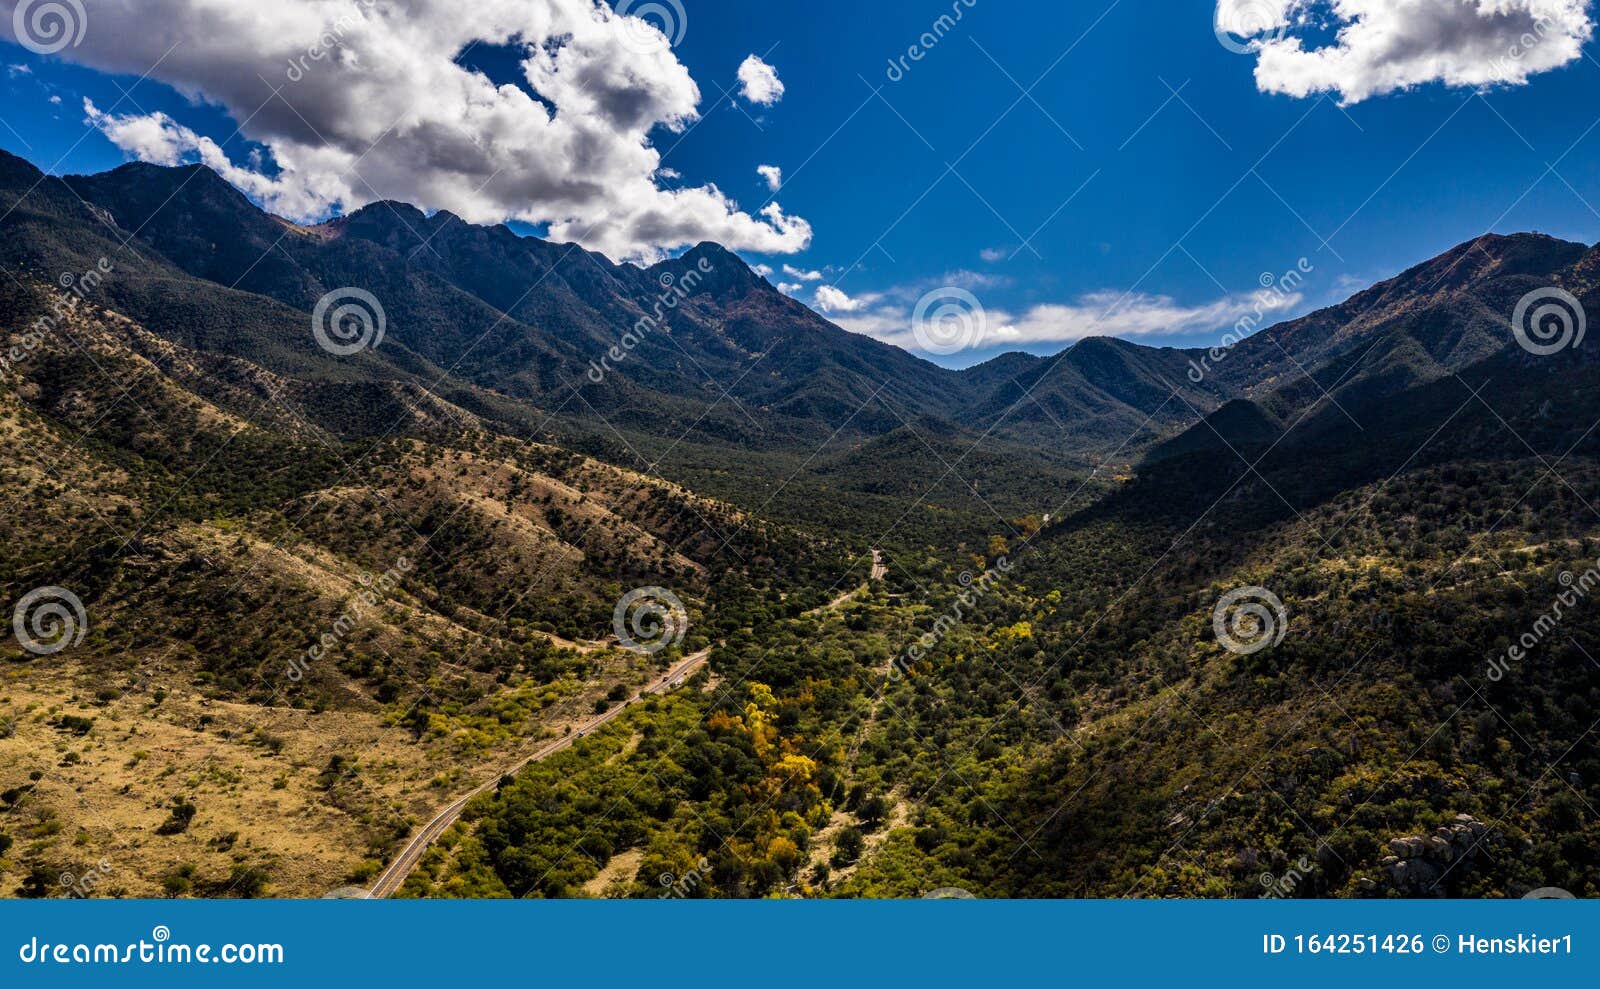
(733, 360)
(1432, 322)
(699, 353)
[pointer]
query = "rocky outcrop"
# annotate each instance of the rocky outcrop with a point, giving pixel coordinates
(1418, 864)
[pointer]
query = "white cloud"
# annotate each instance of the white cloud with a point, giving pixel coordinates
(791, 288)
(994, 254)
(386, 111)
(831, 300)
(764, 270)
(1111, 313)
(1382, 46)
(888, 316)
(773, 174)
(804, 276)
(759, 82)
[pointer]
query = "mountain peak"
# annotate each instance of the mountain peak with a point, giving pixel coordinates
(719, 271)
(1492, 256)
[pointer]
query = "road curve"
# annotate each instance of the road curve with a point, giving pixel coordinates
(879, 570)
(392, 877)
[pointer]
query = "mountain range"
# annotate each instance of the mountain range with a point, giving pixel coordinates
(737, 363)
(539, 430)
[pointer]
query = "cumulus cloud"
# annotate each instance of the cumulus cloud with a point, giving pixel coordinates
(801, 275)
(773, 174)
(889, 316)
(1382, 46)
(759, 82)
(831, 300)
(371, 103)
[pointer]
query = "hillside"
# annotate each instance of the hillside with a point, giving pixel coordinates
(294, 645)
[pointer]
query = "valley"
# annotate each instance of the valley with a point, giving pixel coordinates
(360, 620)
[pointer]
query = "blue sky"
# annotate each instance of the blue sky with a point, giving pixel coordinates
(1106, 168)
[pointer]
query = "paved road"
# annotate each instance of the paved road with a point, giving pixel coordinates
(879, 570)
(401, 867)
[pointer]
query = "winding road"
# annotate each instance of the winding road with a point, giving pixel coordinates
(880, 569)
(395, 875)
